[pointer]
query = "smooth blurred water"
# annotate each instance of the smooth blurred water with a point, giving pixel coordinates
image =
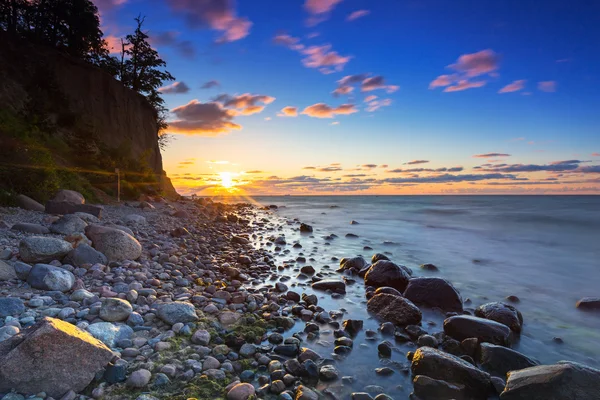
(543, 249)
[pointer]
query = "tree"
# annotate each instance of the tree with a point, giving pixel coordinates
(11, 14)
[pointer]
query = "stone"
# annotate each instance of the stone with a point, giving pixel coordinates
(210, 363)
(139, 379)
(434, 292)
(228, 318)
(49, 277)
(335, 286)
(353, 264)
(27, 203)
(328, 373)
(80, 295)
(502, 313)
(40, 249)
(68, 225)
(85, 254)
(22, 270)
(65, 207)
(565, 380)
(25, 227)
(304, 393)
(305, 228)
(110, 334)
(439, 365)
(7, 272)
(386, 273)
(53, 357)
(115, 310)
(390, 308)
(241, 391)
(589, 304)
(11, 306)
(462, 327)
(115, 244)
(426, 388)
(352, 326)
(178, 311)
(69, 196)
(201, 337)
(498, 360)
(135, 219)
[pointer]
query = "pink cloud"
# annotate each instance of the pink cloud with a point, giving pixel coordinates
(547, 86)
(476, 64)
(375, 105)
(319, 10)
(288, 112)
(464, 85)
(357, 14)
(322, 110)
(114, 44)
(323, 58)
(175, 88)
(204, 119)
(513, 87)
(441, 81)
(288, 41)
(343, 90)
(595, 154)
(367, 84)
(370, 98)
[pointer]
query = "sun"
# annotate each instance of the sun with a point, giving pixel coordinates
(226, 180)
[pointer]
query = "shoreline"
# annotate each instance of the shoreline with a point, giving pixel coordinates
(207, 267)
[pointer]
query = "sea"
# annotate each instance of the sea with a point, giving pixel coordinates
(543, 249)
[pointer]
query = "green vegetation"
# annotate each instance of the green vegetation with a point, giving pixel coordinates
(250, 328)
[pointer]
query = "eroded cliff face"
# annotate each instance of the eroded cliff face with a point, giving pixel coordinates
(79, 97)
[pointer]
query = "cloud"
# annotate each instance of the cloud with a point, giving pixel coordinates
(413, 162)
(322, 110)
(323, 58)
(342, 90)
(210, 85)
(369, 166)
(515, 86)
(288, 41)
(357, 14)
(330, 169)
(377, 104)
(547, 86)
(309, 168)
(593, 169)
(204, 119)
(254, 172)
(288, 111)
(491, 155)
(377, 82)
(218, 15)
(595, 154)
(170, 38)
(370, 98)
(449, 178)
(175, 88)
(319, 10)
(367, 84)
(415, 170)
(557, 166)
(468, 66)
(244, 101)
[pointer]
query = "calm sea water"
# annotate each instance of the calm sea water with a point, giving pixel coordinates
(543, 249)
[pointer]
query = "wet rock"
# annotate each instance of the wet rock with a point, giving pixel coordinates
(48, 277)
(65, 207)
(11, 306)
(386, 273)
(68, 225)
(52, 357)
(426, 388)
(336, 286)
(564, 380)
(461, 327)
(434, 292)
(429, 267)
(85, 254)
(390, 308)
(27, 203)
(7, 272)
(115, 244)
(498, 360)
(589, 303)
(353, 264)
(502, 313)
(305, 228)
(304, 393)
(328, 373)
(115, 310)
(70, 196)
(36, 229)
(177, 311)
(385, 349)
(241, 391)
(442, 366)
(39, 249)
(352, 326)
(388, 290)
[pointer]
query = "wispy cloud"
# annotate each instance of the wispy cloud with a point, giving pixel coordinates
(171, 39)
(288, 111)
(413, 162)
(547, 86)
(319, 10)
(322, 110)
(175, 88)
(491, 155)
(210, 85)
(467, 67)
(515, 86)
(357, 14)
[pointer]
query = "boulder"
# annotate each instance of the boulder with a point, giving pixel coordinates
(11, 306)
(70, 196)
(85, 254)
(39, 249)
(388, 290)
(25, 227)
(442, 366)
(386, 273)
(68, 225)
(498, 360)
(115, 244)
(589, 303)
(378, 257)
(52, 357)
(502, 313)
(178, 311)
(49, 277)
(565, 380)
(22, 270)
(398, 310)
(110, 334)
(354, 264)
(461, 327)
(426, 388)
(27, 203)
(305, 228)
(241, 391)
(65, 207)
(115, 310)
(335, 286)
(434, 292)
(7, 272)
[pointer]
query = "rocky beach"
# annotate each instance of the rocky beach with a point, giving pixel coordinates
(159, 299)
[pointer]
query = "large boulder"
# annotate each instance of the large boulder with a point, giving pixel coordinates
(39, 249)
(35, 229)
(85, 254)
(115, 244)
(498, 360)
(49, 277)
(462, 327)
(52, 356)
(589, 304)
(11, 306)
(565, 381)
(353, 264)
(398, 310)
(66, 207)
(434, 292)
(27, 203)
(442, 366)
(386, 273)
(7, 272)
(503, 313)
(70, 196)
(177, 311)
(68, 225)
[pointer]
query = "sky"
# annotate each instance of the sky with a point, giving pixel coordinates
(376, 97)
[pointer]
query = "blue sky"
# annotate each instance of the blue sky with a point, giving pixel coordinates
(419, 54)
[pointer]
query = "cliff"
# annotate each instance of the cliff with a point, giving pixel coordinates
(99, 124)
